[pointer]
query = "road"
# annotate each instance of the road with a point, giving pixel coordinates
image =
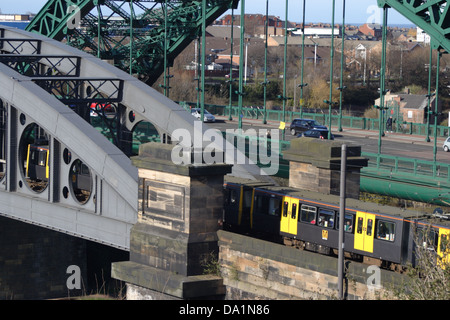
(395, 144)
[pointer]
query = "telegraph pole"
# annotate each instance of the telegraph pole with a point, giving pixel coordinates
(341, 222)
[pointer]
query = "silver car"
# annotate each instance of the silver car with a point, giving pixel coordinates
(446, 145)
(207, 117)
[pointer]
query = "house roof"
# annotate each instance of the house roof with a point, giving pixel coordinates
(294, 41)
(414, 101)
(223, 32)
(408, 101)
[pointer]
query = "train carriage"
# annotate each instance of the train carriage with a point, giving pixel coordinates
(433, 233)
(238, 204)
(377, 234)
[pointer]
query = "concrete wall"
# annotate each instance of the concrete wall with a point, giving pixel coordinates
(257, 269)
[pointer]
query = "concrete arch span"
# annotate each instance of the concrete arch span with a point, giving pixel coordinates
(144, 101)
(109, 214)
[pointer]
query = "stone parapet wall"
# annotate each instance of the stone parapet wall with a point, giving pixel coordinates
(256, 269)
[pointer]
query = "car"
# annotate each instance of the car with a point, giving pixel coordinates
(302, 125)
(316, 133)
(446, 145)
(103, 109)
(207, 117)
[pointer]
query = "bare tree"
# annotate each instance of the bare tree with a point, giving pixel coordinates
(429, 278)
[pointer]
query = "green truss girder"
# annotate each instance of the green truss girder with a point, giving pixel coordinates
(432, 16)
(147, 47)
(52, 19)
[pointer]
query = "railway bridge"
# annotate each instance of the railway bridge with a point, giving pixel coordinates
(44, 82)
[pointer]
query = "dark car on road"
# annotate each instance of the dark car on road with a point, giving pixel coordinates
(316, 133)
(302, 125)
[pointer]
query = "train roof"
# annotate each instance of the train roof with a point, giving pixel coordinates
(431, 219)
(350, 203)
(246, 182)
(330, 199)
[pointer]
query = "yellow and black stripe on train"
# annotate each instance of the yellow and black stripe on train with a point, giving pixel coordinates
(37, 165)
(309, 220)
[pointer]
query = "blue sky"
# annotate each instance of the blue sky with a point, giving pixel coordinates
(357, 11)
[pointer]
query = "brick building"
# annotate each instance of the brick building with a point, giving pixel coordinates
(373, 30)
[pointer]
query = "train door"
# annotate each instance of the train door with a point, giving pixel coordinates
(443, 248)
(365, 225)
(289, 216)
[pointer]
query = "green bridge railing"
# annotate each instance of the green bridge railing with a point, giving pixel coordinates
(405, 178)
(346, 122)
(415, 169)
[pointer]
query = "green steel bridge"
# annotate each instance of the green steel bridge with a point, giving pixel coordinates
(143, 37)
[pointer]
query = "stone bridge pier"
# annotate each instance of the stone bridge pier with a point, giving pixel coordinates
(175, 238)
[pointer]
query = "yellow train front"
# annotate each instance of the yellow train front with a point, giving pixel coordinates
(375, 234)
(37, 167)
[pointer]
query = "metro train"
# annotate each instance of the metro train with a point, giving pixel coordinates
(374, 234)
(37, 168)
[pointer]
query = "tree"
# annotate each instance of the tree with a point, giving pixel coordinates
(429, 279)
(318, 91)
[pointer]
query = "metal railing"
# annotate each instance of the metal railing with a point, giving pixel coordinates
(351, 122)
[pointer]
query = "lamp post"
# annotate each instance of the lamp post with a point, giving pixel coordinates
(331, 72)
(436, 113)
(429, 113)
(202, 104)
(365, 66)
(99, 28)
(381, 109)
(266, 25)
(165, 49)
(342, 87)
(131, 36)
(284, 98)
(302, 85)
(241, 65)
(341, 237)
(429, 95)
(382, 106)
(231, 66)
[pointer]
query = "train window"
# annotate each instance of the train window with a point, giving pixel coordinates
(294, 211)
(385, 230)
(84, 169)
(274, 206)
(308, 214)
(326, 218)
(359, 227)
(348, 222)
(42, 158)
(267, 205)
(444, 243)
(247, 198)
(231, 197)
(285, 208)
(428, 238)
(369, 227)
